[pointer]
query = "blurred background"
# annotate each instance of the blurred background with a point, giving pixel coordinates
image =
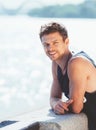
(25, 71)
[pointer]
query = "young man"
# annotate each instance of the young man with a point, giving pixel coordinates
(73, 74)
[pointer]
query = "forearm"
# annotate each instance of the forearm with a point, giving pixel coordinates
(76, 106)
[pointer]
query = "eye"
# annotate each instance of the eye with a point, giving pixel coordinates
(46, 45)
(55, 43)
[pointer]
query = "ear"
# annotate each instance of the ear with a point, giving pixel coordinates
(67, 41)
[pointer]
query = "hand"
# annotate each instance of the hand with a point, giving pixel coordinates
(61, 107)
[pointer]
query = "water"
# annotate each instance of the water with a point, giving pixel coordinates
(25, 71)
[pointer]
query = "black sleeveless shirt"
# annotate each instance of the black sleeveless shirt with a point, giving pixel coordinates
(90, 104)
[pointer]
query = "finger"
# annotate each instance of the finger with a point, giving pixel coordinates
(59, 109)
(56, 112)
(64, 106)
(70, 101)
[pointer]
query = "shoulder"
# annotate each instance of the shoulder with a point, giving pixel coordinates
(79, 65)
(76, 62)
(54, 66)
(81, 58)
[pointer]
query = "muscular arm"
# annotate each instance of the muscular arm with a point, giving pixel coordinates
(78, 75)
(56, 103)
(56, 93)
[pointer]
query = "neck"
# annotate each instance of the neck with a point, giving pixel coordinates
(63, 62)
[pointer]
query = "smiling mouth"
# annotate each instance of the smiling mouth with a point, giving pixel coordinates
(52, 53)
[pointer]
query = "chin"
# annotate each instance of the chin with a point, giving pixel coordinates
(53, 58)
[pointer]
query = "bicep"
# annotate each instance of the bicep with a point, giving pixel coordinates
(77, 85)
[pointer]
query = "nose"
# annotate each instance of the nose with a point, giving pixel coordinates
(50, 48)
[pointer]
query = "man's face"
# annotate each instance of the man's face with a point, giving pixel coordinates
(54, 45)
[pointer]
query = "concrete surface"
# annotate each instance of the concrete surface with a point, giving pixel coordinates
(46, 119)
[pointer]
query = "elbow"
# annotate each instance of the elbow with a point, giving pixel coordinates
(77, 109)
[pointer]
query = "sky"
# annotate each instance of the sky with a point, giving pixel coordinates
(12, 4)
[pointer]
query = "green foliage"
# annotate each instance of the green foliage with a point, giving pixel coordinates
(84, 10)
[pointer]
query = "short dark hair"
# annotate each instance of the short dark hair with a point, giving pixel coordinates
(53, 27)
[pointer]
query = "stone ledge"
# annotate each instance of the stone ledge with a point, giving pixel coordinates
(45, 119)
